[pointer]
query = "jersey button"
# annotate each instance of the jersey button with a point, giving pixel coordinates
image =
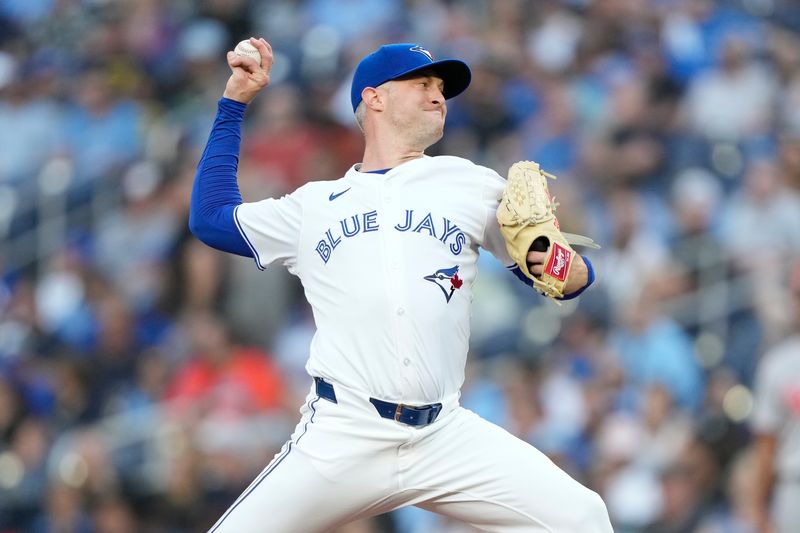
(400, 311)
(406, 361)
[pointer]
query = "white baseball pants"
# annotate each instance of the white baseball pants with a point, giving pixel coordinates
(345, 463)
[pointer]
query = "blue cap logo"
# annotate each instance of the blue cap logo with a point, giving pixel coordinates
(421, 50)
(392, 61)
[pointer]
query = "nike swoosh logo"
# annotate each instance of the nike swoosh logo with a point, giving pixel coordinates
(334, 196)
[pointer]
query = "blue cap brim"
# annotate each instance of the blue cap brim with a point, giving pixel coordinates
(455, 74)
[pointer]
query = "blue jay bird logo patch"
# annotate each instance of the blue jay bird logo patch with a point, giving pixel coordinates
(447, 280)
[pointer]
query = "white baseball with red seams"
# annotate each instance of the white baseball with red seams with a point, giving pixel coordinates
(244, 48)
(388, 262)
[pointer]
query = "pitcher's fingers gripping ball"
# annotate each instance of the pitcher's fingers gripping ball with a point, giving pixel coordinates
(527, 217)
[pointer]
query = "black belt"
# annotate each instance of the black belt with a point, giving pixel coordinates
(411, 415)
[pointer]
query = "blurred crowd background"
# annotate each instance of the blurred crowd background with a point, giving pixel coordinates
(145, 378)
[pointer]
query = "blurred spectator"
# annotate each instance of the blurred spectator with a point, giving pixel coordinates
(739, 514)
(102, 126)
(24, 471)
(134, 241)
(76, 402)
(681, 502)
(63, 511)
(222, 378)
(667, 430)
(64, 300)
(343, 19)
(550, 137)
(18, 322)
(734, 101)
(776, 421)
(291, 347)
(653, 349)
(630, 488)
(635, 252)
(766, 211)
(282, 141)
(699, 258)
(719, 429)
(113, 515)
(37, 135)
(789, 157)
(115, 350)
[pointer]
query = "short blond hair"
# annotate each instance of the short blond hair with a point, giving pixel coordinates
(361, 114)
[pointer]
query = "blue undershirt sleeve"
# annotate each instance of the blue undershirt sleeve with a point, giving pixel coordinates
(588, 282)
(215, 194)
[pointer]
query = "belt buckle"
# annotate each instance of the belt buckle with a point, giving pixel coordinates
(434, 413)
(398, 412)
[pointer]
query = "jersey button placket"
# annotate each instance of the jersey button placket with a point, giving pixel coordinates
(396, 287)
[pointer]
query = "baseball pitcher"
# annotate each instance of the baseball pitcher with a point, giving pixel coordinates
(387, 258)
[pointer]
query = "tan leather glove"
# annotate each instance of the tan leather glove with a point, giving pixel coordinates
(527, 215)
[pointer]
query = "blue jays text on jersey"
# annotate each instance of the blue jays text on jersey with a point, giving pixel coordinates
(445, 231)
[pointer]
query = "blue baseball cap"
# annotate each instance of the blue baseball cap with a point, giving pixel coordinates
(392, 61)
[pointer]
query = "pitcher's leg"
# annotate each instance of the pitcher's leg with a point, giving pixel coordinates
(324, 476)
(278, 499)
(292, 495)
(481, 474)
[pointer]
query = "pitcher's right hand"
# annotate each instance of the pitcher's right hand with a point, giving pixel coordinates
(247, 76)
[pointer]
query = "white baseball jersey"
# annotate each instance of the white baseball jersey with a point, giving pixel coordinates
(387, 262)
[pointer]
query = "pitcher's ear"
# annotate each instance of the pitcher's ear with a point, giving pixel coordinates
(373, 98)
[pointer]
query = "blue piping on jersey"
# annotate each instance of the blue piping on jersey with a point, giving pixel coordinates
(256, 257)
(310, 420)
(253, 487)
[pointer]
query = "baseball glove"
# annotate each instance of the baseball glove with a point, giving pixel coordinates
(528, 222)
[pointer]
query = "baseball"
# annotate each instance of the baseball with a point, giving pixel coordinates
(244, 48)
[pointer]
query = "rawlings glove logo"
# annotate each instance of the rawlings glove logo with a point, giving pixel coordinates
(558, 264)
